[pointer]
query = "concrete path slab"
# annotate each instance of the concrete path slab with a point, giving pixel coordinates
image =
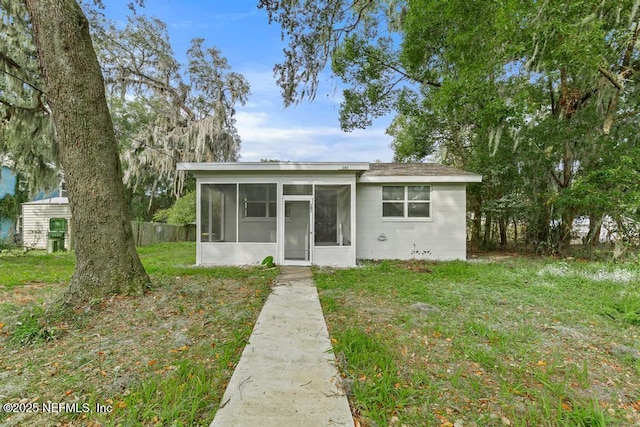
(287, 375)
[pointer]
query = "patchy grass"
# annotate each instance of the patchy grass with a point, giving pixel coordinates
(514, 342)
(163, 358)
(21, 267)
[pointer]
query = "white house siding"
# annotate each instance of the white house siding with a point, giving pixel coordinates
(443, 235)
(234, 253)
(334, 256)
(35, 223)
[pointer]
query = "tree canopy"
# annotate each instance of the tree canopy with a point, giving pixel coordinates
(180, 113)
(164, 112)
(26, 129)
(535, 96)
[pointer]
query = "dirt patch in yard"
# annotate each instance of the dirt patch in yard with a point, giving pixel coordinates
(30, 293)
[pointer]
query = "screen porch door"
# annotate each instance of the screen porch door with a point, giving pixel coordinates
(298, 231)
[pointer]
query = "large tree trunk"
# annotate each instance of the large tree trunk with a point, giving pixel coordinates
(106, 259)
(488, 224)
(502, 224)
(595, 227)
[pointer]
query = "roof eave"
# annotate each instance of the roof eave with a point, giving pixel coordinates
(273, 166)
(420, 178)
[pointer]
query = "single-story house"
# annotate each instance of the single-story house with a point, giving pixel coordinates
(35, 221)
(328, 213)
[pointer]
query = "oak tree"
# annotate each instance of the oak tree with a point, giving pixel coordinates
(106, 258)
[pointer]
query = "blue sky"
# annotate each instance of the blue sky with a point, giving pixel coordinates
(306, 132)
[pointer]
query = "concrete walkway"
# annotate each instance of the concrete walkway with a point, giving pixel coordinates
(287, 375)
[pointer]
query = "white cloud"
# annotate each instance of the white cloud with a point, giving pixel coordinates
(234, 16)
(262, 138)
(309, 131)
(184, 24)
(262, 82)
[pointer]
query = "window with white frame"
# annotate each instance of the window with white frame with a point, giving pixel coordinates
(258, 200)
(406, 201)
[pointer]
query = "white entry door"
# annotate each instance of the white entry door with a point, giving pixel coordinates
(298, 232)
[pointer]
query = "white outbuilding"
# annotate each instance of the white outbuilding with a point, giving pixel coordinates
(36, 217)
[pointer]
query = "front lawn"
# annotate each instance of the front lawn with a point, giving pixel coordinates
(163, 358)
(516, 342)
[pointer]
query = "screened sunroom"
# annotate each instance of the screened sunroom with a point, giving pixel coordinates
(298, 213)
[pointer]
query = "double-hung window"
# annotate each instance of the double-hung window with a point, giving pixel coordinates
(406, 201)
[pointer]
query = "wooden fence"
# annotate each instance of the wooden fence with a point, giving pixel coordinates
(148, 233)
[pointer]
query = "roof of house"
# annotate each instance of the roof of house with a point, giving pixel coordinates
(273, 166)
(50, 201)
(413, 169)
(368, 172)
(411, 172)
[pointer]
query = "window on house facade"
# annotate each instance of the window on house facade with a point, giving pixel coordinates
(258, 213)
(238, 213)
(258, 200)
(406, 201)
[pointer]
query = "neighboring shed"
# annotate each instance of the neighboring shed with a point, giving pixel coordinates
(35, 221)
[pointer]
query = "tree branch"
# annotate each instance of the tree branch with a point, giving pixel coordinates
(22, 80)
(154, 83)
(359, 15)
(556, 179)
(373, 57)
(392, 86)
(39, 107)
(10, 61)
(609, 76)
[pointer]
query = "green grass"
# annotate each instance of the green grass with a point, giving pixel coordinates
(30, 328)
(519, 342)
(162, 358)
(33, 267)
(164, 259)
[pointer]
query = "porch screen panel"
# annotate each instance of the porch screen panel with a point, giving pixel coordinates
(257, 217)
(333, 215)
(297, 190)
(218, 206)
